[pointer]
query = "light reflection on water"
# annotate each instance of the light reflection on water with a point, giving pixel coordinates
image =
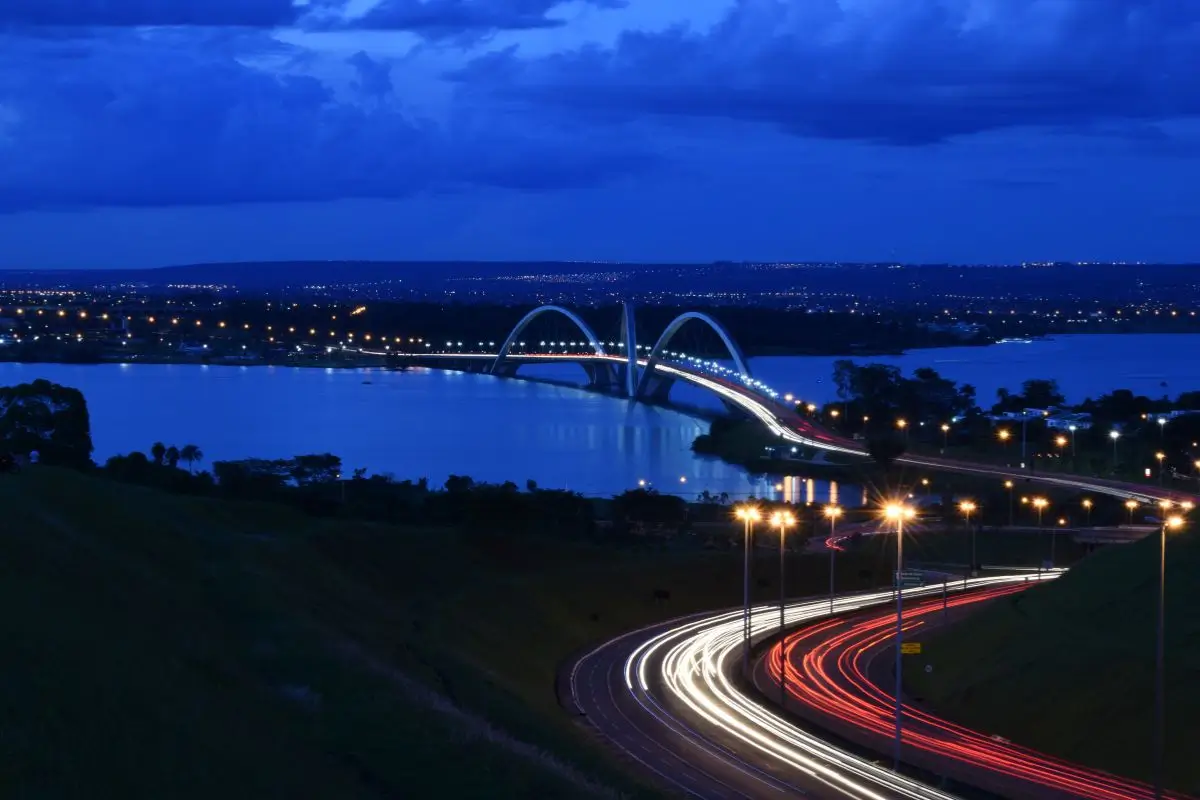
(412, 424)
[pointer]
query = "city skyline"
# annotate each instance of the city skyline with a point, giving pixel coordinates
(929, 131)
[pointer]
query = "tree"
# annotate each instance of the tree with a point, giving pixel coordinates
(48, 418)
(885, 448)
(158, 451)
(191, 454)
(309, 469)
(172, 456)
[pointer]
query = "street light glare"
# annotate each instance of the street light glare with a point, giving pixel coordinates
(967, 507)
(1040, 502)
(782, 520)
(1114, 435)
(747, 512)
(833, 512)
(1131, 504)
(1175, 522)
(898, 511)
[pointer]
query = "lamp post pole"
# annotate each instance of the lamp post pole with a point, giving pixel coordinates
(898, 513)
(782, 521)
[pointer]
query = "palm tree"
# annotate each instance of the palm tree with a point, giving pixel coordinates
(191, 454)
(172, 456)
(157, 451)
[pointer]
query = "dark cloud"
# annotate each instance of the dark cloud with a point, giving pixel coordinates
(147, 120)
(129, 13)
(435, 19)
(451, 18)
(907, 73)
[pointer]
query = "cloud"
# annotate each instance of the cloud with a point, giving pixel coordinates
(441, 19)
(433, 19)
(905, 72)
(129, 13)
(161, 118)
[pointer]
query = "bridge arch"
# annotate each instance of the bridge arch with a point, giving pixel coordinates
(735, 352)
(520, 327)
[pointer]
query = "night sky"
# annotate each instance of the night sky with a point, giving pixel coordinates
(150, 132)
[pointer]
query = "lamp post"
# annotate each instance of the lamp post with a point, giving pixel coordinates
(1160, 456)
(1024, 419)
(1040, 503)
(1061, 441)
(1003, 435)
(1162, 427)
(898, 513)
(945, 436)
(1072, 429)
(1011, 504)
(832, 513)
(968, 507)
(1131, 505)
(1087, 509)
(1159, 657)
(782, 520)
(1114, 435)
(903, 426)
(748, 515)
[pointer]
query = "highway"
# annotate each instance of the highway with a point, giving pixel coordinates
(835, 667)
(666, 697)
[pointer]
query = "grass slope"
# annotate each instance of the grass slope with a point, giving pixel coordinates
(164, 646)
(1067, 668)
(157, 646)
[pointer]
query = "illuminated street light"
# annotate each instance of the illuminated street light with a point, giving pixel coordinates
(782, 520)
(945, 435)
(748, 515)
(1087, 509)
(1114, 435)
(1160, 691)
(832, 512)
(1003, 435)
(968, 507)
(898, 513)
(1131, 505)
(1160, 457)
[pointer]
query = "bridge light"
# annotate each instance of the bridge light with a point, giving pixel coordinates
(460, 344)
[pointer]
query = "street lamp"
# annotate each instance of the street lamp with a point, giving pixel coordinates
(1061, 441)
(782, 520)
(1160, 456)
(1011, 503)
(1114, 435)
(748, 515)
(1132, 505)
(903, 426)
(1159, 657)
(1087, 509)
(898, 513)
(1072, 429)
(832, 513)
(1162, 427)
(968, 507)
(945, 435)
(1003, 435)
(1040, 503)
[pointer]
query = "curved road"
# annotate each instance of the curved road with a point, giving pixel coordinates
(834, 670)
(666, 697)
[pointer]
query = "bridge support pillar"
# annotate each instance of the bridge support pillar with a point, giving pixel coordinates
(629, 371)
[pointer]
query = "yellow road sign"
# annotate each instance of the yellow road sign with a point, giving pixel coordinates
(910, 648)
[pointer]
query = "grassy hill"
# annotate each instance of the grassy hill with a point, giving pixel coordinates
(156, 645)
(1067, 668)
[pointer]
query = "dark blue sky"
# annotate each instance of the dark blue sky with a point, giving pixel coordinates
(146, 132)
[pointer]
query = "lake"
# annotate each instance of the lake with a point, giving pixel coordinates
(433, 424)
(414, 424)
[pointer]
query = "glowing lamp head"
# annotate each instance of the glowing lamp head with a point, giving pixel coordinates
(1131, 504)
(1040, 502)
(1114, 435)
(782, 519)
(1087, 503)
(1003, 435)
(1160, 456)
(967, 507)
(1008, 484)
(833, 512)
(1164, 504)
(1187, 505)
(945, 427)
(898, 511)
(1174, 522)
(1061, 441)
(746, 513)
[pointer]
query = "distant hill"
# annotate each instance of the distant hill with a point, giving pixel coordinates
(1067, 668)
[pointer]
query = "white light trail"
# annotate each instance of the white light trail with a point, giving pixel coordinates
(697, 661)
